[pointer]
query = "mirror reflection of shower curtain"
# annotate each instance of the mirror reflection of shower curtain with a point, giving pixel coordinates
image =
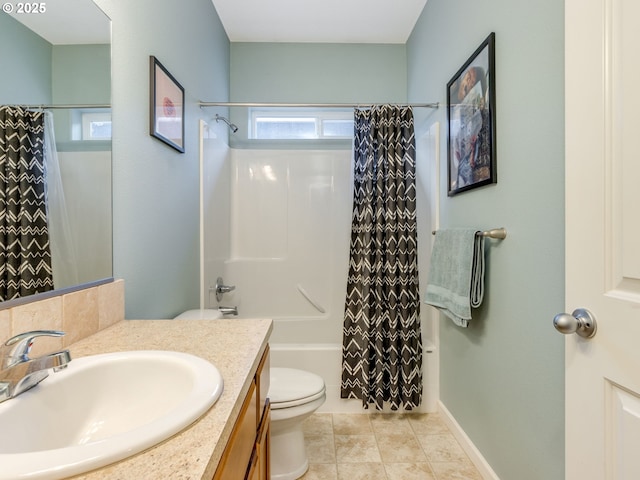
(63, 250)
(25, 258)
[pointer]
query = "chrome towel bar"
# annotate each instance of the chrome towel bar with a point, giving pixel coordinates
(500, 233)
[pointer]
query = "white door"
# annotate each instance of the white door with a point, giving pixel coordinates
(602, 75)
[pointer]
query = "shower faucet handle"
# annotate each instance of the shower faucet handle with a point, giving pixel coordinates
(221, 288)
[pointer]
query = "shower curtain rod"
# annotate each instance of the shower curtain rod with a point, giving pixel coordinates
(50, 107)
(314, 105)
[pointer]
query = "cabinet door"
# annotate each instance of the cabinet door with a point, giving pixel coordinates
(237, 454)
(260, 466)
(263, 443)
(263, 380)
(254, 468)
(246, 455)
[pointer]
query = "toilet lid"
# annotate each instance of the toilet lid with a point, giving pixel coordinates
(293, 387)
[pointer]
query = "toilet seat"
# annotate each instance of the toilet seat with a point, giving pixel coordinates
(290, 387)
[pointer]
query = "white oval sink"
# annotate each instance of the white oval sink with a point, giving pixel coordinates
(101, 409)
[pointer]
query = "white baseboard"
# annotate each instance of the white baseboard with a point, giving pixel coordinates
(467, 445)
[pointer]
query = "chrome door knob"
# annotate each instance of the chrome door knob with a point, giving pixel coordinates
(581, 321)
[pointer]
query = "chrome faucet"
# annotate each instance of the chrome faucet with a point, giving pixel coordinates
(19, 372)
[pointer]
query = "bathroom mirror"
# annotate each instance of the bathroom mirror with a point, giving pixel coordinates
(60, 58)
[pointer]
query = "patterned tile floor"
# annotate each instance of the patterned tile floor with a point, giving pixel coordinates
(384, 447)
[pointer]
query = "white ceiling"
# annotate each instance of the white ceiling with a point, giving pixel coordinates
(67, 22)
(319, 21)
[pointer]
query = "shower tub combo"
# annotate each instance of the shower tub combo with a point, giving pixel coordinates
(287, 257)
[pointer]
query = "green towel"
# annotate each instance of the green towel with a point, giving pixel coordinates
(456, 274)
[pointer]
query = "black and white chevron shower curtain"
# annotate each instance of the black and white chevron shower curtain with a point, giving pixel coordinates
(25, 256)
(382, 346)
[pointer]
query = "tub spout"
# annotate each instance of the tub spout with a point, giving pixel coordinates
(228, 310)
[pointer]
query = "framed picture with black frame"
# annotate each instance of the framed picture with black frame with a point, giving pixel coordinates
(167, 106)
(471, 124)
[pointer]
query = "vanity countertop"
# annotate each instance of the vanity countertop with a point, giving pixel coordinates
(233, 346)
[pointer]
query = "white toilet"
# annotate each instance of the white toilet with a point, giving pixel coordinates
(294, 395)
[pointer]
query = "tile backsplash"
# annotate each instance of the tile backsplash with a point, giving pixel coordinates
(78, 314)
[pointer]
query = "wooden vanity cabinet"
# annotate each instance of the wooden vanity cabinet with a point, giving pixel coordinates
(246, 456)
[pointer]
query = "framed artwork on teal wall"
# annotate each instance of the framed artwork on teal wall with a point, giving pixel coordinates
(167, 106)
(471, 125)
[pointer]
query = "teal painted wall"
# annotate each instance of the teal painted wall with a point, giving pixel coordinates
(25, 59)
(38, 73)
(81, 74)
(502, 378)
(321, 73)
(314, 73)
(156, 200)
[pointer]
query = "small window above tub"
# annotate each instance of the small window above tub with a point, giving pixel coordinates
(96, 125)
(82, 129)
(300, 124)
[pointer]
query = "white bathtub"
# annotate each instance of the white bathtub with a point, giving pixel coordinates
(326, 360)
